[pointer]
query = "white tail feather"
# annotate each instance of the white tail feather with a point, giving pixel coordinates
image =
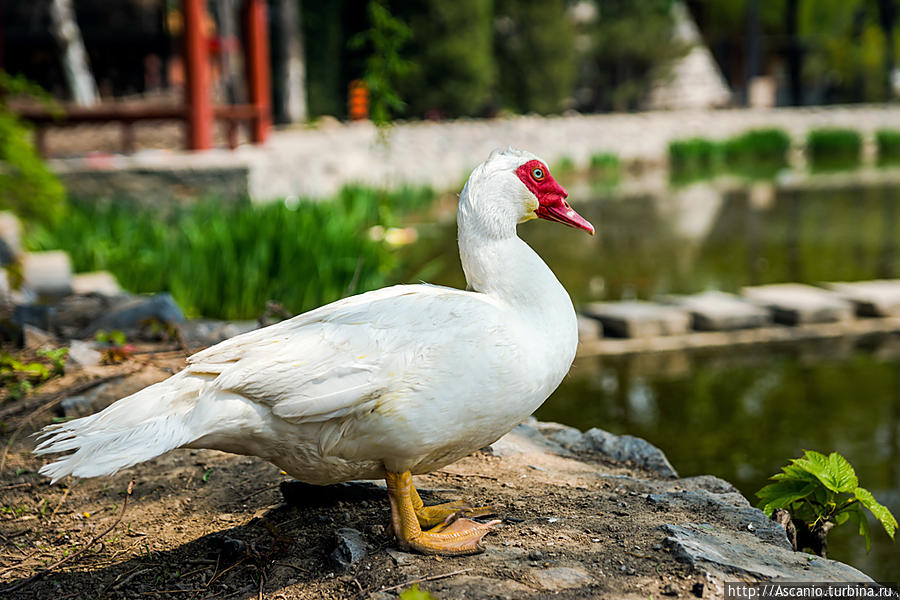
(131, 430)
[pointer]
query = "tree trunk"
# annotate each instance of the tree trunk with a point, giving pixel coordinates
(289, 81)
(79, 79)
(888, 13)
(754, 47)
(794, 53)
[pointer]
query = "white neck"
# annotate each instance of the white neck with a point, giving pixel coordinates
(497, 263)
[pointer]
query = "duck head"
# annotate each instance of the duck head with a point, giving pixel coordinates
(511, 187)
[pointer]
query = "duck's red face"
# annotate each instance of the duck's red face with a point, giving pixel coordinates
(551, 196)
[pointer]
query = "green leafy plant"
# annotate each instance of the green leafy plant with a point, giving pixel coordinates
(27, 186)
(414, 593)
(834, 148)
(384, 65)
(888, 142)
(57, 358)
(19, 375)
(758, 152)
(820, 492)
(227, 261)
(694, 157)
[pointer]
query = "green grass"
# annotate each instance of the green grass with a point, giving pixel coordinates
(694, 154)
(227, 261)
(755, 153)
(834, 148)
(563, 165)
(888, 142)
(758, 152)
(606, 162)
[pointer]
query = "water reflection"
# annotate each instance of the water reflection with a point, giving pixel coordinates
(740, 415)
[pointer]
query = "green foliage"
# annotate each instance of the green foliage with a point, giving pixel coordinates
(760, 146)
(564, 165)
(111, 338)
(452, 50)
(632, 46)
(817, 489)
(27, 187)
(605, 161)
(694, 156)
(830, 148)
(228, 261)
(19, 375)
(888, 142)
(414, 593)
(56, 357)
(534, 44)
(384, 66)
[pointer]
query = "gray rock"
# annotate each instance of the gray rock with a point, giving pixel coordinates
(562, 578)
(707, 548)
(34, 338)
(401, 559)
(718, 311)
(627, 448)
(731, 508)
(636, 318)
(525, 439)
(208, 332)
(796, 304)
(710, 483)
(82, 354)
(37, 315)
(563, 435)
(133, 314)
(350, 548)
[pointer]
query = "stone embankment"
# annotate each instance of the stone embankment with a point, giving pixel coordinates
(317, 161)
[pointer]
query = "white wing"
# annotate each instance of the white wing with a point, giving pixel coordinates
(342, 357)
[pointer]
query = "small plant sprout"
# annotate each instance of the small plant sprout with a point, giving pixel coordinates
(819, 492)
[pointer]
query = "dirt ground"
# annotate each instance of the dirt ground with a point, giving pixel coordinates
(204, 524)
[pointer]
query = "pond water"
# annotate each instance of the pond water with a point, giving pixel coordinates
(736, 414)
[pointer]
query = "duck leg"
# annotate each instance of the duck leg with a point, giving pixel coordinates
(462, 536)
(444, 514)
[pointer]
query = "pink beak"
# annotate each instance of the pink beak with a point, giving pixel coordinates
(555, 208)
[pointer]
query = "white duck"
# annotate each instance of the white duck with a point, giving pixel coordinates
(390, 383)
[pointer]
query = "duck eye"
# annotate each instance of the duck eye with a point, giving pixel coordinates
(537, 173)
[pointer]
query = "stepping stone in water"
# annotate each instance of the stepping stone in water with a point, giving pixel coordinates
(796, 303)
(636, 318)
(719, 311)
(879, 298)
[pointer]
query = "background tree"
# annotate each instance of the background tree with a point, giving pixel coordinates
(451, 49)
(535, 54)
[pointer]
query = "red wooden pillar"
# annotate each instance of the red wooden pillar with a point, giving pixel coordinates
(196, 60)
(256, 59)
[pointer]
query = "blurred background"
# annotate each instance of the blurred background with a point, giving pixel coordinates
(244, 158)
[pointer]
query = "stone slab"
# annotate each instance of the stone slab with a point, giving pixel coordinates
(47, 273)
(796, 303)
(731, 554)
(720, 311)
(878, 298)
(96, 282)
(637, 319)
